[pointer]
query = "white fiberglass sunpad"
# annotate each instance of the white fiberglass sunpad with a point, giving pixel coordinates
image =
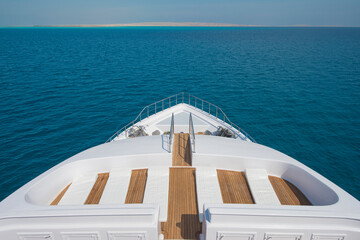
(208, 188)
(116, 187)
(261, 188)
(79, 190)
(182, 118)
(157, 189)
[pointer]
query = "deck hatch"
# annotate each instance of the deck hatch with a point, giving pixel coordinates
(36, 236)
(283, 236)
(235, 236)
(80, 236)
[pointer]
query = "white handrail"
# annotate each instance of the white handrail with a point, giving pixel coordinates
(183, 97)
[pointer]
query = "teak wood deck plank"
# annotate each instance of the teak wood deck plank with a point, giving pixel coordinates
(59, 197)
(98, 189)
(287, 193)
(137, 186)
(234, 187)
(183, 215)
(181, 150)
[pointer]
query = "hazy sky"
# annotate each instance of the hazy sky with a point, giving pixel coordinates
(254, 12)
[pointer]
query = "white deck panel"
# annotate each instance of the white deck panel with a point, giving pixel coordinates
(182, 118)
(116, 187)
(261, 188)
(79, 190)
(157, 189)
(208, 188)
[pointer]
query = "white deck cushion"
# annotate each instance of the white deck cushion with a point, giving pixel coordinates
(116, 187)
(157, 189)
(79, 190)
(208, 188)
(261, 188)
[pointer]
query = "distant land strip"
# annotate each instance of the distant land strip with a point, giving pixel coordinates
(174, 24)
(152, 24)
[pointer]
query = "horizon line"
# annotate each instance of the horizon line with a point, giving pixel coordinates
(169, 24)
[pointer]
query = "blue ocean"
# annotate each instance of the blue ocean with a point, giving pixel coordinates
(64, 90)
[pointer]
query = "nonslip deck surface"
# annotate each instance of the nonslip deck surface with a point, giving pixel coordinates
(98, 189)
(287, 193)
(181, 150)
(234, 187)
(137, 186)
(183, 216)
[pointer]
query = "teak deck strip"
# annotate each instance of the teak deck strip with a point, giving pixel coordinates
(182, 150)
(98, 189)
(234, 187)
(287, 193)
(59, 197)
(137, 185)
(183, 216)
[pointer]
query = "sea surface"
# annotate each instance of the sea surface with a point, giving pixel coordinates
(64, 90)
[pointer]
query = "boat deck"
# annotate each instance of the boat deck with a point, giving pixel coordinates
(287, 193)
(98, 189)
(182, 203)
(183, 215)
(234, 188)
(181, 150)
(183, 210)
(137, 186)
(59, 196)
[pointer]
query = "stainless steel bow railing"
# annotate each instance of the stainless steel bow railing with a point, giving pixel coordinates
(171, 132)
(187, 98)
(192, 133)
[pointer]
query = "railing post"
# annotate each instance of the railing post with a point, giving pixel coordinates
(148, 111)
(195, 101)
(216, 112)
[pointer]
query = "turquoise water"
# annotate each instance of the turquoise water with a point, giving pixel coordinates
(64, 90)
